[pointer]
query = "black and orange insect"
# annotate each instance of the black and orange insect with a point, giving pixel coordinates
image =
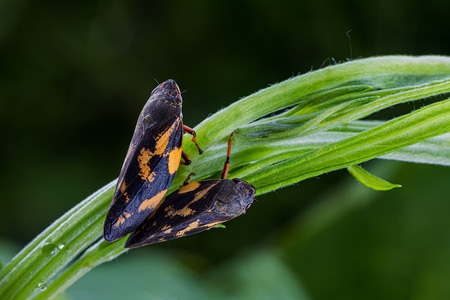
(151, 162)
(195, 207)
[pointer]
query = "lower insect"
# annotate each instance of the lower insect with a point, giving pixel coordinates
(195, 207)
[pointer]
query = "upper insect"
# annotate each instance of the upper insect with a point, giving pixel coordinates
(151, 162)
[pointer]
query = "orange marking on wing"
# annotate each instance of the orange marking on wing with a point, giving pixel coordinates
(162, 141)
(150, 204)
(151, 177)
(202, 193)
(145, 155)
(170, 211)
(123, 191)
(181, 212)
(123, 187)
(193, 226)
(167, 231)
(122, 219)
(127, 197)
(143, 159)
(166, 227)
(174, 160)
(189, 187)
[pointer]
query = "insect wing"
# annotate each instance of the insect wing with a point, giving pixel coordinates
(151, 162)
(195, 207)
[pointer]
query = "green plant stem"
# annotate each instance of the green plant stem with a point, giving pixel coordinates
(30, 271)
(97, 254)
(398, 133)
(272, 152)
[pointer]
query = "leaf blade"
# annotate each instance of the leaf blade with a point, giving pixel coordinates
(370, 180)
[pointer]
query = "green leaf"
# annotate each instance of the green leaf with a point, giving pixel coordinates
(435, 150)
(370, 180)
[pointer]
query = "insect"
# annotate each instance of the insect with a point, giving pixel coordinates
(151, 162)
(195, 207)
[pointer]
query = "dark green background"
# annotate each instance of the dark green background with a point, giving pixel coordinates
(74, 76)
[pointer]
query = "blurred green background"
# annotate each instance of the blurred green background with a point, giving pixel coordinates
(74, 76)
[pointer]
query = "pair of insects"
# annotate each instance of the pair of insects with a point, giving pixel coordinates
(138, 205)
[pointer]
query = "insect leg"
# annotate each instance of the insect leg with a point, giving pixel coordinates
(188, 179)
(194, 137)
(226, 166)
